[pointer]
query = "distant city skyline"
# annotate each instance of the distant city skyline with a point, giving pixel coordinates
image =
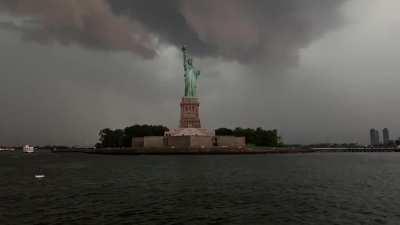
(375, 140)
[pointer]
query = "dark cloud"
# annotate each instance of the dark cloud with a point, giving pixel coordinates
(166, 19)
(90, 23)
(267, 31)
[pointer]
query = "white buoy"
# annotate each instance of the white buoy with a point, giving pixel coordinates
(39, 176)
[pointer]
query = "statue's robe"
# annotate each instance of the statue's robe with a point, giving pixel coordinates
(191, 78)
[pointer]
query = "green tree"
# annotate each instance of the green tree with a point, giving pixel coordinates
(258, 137)
(223, 132)
(123, 137)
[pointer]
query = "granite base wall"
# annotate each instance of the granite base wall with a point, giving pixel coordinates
(138, 142)
(230, 141)
(178, 141)
(148, 142)
(154, 142)
(189, 141)
(201, 141)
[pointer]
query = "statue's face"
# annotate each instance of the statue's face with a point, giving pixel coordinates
(190, 61)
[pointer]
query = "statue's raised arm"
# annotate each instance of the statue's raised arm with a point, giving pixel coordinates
(184, 58)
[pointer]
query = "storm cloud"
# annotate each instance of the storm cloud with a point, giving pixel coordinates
(89, 23)
(315, 70)
(249, 31)
(269, 32)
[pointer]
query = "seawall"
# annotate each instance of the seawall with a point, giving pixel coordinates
(217, 150)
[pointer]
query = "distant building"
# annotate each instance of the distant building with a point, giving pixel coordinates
(374, 137)
(377, 139)
(386, 137)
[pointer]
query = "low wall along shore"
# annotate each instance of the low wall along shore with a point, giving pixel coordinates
(194, 151)
(219, 150)
(189, 142)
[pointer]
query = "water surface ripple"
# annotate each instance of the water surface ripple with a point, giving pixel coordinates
(328, 188)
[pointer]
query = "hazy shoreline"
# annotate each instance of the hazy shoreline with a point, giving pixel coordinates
(215, 151)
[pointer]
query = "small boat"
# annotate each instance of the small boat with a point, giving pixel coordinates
(28, 149)
(40, 176)
(6, 149)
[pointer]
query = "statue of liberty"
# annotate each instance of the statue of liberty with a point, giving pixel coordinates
(191, 75)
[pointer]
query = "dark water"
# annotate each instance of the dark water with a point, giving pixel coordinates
(323, 189)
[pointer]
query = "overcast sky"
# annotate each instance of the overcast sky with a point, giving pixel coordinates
(316, 70)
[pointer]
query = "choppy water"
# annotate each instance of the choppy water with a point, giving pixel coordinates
(323, 189)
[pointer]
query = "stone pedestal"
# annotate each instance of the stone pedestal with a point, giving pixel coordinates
(189, 124)
(190, 113)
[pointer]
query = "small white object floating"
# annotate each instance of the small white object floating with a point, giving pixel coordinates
(39, 176)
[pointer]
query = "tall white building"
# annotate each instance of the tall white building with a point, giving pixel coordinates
(386, 137)
(374, 137)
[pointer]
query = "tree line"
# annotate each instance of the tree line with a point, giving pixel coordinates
(257, 137)
(118, 138)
